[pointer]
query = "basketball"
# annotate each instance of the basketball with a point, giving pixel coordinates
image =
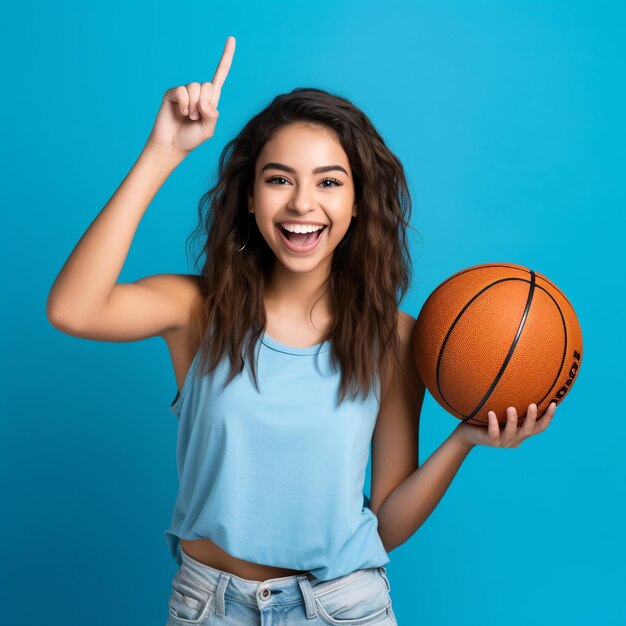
(497, 335)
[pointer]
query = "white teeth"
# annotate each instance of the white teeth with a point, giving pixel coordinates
(299, 228)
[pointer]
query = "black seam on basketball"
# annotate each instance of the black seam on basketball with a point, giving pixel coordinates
(520, 328)
(559, 369)
(456, 319)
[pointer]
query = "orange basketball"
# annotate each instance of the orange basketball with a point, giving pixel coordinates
(497, 335)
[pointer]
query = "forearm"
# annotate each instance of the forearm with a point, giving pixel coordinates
(88, 276)
(407, 507)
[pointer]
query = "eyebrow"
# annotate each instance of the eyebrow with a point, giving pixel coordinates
(317, 170)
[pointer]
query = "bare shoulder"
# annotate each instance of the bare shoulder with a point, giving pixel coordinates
(178, 292)
(406, 325)
(408, 377)
(177, 284)
(184, 287)
(184, 291)
(405, 330)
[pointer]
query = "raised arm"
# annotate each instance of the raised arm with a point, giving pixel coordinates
(85, 299)
(84, 287)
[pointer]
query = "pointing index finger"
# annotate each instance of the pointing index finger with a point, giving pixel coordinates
(222, 69)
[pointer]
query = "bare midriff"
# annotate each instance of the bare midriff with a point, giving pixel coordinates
(209, 553)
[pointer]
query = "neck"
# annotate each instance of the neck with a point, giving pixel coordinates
(297, 292)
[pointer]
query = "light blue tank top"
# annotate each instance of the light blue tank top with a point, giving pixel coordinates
(277, 477)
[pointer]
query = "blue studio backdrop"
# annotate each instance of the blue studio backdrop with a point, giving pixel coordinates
(509, 120)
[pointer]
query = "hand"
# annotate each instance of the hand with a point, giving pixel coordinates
(510, 436)
(188, 114)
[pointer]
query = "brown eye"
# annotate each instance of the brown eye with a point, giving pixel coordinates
(269, 180)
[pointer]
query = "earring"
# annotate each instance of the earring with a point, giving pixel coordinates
(247, 235)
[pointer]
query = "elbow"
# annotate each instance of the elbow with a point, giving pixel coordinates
(53, 313)
(389, 545)
(60, 319)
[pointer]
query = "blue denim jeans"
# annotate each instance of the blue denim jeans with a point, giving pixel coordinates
(204, 595)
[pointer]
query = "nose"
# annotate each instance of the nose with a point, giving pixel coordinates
(301, 201)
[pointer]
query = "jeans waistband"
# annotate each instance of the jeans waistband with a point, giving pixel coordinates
(281, 590)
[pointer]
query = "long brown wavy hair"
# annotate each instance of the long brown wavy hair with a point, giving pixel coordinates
(370, 267)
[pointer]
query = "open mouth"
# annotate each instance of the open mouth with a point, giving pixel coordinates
(300, 242)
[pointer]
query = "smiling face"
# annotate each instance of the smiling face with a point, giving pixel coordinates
(303, 175)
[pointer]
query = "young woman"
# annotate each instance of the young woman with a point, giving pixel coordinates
(290, 355)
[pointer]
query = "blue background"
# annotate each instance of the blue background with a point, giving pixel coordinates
(509, 120)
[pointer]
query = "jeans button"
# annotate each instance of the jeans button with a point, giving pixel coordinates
(265, 593)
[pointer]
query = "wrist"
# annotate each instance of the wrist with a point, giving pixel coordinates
(167, 155)
(458, 435)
